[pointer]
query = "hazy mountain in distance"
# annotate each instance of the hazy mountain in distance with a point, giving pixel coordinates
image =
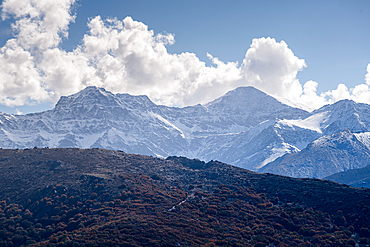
(355, 177)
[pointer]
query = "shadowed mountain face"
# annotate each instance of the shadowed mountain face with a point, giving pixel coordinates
(356, 177)
(95, 197)
(245, 127)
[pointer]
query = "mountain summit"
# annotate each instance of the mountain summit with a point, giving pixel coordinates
(94, 102)
(253, 105)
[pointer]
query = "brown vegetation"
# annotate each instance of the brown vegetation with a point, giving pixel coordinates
(74, 197)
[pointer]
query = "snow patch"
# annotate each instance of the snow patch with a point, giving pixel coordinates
(165, 121)
(289, 103)
(278, 152)
(313, 122)
(364, 138)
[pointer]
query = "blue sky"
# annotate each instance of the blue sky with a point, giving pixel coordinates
(332, 37)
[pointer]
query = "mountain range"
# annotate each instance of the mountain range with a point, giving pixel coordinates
(245, 128)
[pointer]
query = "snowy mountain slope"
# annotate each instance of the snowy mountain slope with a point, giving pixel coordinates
(248, 105)
(346, 114)
(324, 159)
(330, 119)
(364, 137)
(327, 155)
(95, 117)
(245, 127)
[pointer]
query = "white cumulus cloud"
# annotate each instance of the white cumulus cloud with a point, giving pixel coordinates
(367, 77)
(20, 80)
(272, 67)
(130, 58)
(124, 56)
(40, 24)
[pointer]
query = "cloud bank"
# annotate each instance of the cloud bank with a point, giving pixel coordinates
(124, 56)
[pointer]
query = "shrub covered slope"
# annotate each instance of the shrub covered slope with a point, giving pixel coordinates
(95, 197)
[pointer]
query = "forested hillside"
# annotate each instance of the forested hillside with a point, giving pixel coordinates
(95, 197)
